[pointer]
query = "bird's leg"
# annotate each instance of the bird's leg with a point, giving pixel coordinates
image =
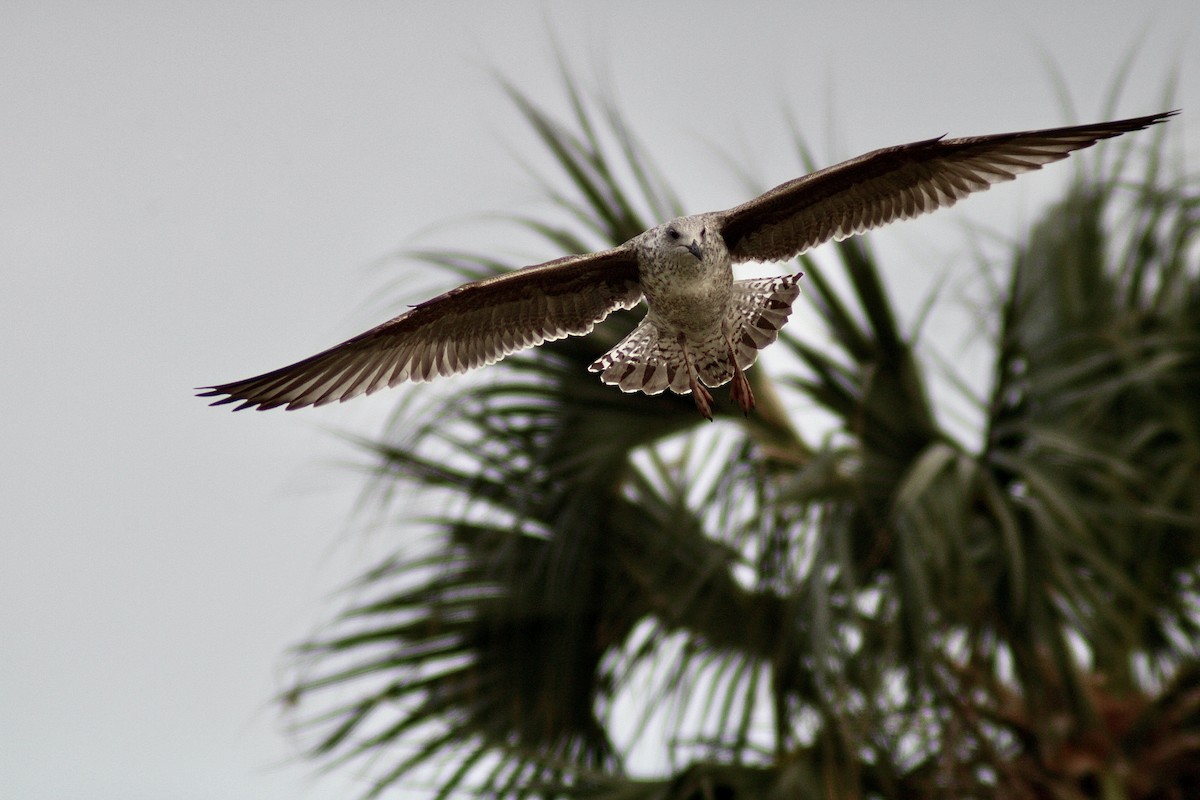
(740, 391)
(703, 398)
(699, 393)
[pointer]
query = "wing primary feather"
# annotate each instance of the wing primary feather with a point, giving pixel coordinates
(483, 321)
(897, 183)
(474, 324)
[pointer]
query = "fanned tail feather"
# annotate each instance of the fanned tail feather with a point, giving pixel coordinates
(758, 312)
(644, 362)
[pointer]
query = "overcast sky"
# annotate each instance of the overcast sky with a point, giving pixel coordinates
(197, 192)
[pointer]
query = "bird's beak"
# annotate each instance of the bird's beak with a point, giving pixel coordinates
(694, 249)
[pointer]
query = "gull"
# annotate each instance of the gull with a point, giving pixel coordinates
(702, 329)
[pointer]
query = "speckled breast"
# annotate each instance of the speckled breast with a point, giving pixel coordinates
(692, 297)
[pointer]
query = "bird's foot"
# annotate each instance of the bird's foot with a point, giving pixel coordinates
(703, 399)
(699, 393)
(741, 393)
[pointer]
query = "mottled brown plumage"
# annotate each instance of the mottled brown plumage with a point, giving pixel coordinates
(702, 328)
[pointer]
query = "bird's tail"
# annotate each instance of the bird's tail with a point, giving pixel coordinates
(759, 309)
(644, 361)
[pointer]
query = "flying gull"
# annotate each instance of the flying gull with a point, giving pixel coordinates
(702, 328)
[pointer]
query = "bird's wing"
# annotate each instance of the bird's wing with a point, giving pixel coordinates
(478, 323)
(896, 183)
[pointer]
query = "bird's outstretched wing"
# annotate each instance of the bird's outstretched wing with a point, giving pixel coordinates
(478, 323)
(897, 183)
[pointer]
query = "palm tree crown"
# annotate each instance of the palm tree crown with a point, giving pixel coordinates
(613, 589)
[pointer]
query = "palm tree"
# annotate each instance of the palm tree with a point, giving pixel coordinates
(616, 599)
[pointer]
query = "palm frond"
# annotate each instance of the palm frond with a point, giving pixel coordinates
(881, 613)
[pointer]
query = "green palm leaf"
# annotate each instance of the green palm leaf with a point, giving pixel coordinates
(880, 612)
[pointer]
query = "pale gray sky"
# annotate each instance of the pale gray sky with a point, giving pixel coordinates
(197, 192)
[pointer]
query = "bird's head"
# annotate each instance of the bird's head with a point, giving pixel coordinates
(681, 239)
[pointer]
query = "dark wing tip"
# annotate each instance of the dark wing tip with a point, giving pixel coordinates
(1107, 130)
(471, 325)
(1160, 116)
(237, 393)
(1141, 123)
(227, 395)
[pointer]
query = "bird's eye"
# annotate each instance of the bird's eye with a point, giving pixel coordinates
(674, 234)
(702, 232)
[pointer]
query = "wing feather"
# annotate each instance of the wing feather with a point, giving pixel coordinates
(475, 324)
(897, 183)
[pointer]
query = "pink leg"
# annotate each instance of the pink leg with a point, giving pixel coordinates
(703, 399)
(699, 393)
(740, 391)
